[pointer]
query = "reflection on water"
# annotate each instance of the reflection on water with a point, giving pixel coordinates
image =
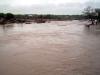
(10, 28)
(56, 48)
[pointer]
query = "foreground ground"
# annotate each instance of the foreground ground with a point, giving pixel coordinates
(56, 48)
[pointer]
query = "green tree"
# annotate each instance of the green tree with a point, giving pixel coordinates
(9, 16)
(97, 14)
(2, 15)
(90, 14)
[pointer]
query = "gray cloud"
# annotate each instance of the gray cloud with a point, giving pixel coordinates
(65, 8)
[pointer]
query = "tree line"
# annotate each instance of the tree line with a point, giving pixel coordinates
(89, 14)
(13, 18)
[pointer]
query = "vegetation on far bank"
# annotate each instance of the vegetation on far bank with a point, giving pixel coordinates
(89, 14)
(13, 18)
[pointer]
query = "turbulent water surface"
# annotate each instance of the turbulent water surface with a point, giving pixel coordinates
(55, 48)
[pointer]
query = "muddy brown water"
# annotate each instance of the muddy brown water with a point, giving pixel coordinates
(55, 48)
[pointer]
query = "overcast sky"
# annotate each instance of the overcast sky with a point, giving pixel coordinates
(60, 7)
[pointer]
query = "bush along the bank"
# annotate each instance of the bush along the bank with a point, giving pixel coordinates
(6, 18)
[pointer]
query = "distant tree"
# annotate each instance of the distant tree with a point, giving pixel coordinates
(98, 14)
(90, 14)
(2, 15)
(9, 16)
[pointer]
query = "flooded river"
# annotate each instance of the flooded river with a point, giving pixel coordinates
(55, 48)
